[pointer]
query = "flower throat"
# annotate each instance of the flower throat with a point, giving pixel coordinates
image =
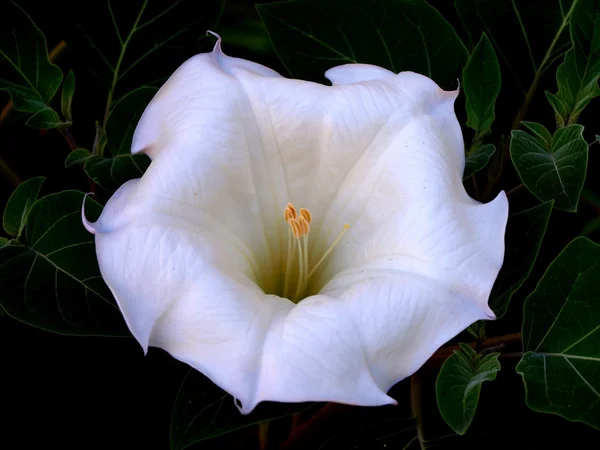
(297, 271)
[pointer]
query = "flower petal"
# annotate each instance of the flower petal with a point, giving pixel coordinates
(351, 345)
(186, 290)
(190, 249)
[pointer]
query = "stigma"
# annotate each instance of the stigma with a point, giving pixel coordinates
(297, 271)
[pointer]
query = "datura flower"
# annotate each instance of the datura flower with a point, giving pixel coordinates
(295, 241)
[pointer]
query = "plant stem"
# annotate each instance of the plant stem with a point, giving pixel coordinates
(10, 174)
(70, 139)
(118, 66)
(263, 435)
(515, 190)
(415, 407)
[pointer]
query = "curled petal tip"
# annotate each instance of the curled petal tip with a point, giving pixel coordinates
(86, 223)
(489, 314)
(218, 43)
(238, 404)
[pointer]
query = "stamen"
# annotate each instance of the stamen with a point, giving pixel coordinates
(304, 225)
(329, 250)
(306, 214)
(298, 230)
(291, 207)
(287, 214)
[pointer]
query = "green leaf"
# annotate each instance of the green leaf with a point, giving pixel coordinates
(557, 173)
(540, 132)
(122, 42)
(458, 385)
(110, 173)
(45, 119)
(203, 411)
(19, 204)
(481, 85)
(477, 159)
(53, 282)
(560, 109)
(32, 78)
(561, 336)
(124, 117)
(3, 242)
(524, 234)
(311, 36)
(77, 156)
(538, 33)
(577, 77)
(66, 97)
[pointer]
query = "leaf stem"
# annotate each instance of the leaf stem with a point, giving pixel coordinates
(522, 112)
(119, 62)
(415, 407)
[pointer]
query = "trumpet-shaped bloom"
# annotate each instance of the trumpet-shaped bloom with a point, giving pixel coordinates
(300, 242)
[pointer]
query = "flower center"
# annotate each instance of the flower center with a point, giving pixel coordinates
(297, 271)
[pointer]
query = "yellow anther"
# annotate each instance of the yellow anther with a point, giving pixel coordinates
(287, 214)
(297, 271)
(291, 207)
(296, 230)
(304, 225)
(306, 214)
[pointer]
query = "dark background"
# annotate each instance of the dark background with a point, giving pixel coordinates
(87, 392)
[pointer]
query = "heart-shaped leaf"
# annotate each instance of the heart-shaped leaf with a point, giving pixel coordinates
(77, 156)
(524, 233)
(120, 42)
(561, 336)
(560, 109)
(552, 173)
(124, 117)
(66, 98)
(481, 85)
(203, 411)
(19, 204)
(538, 32)
(118, 165)
(110, 173)
(577, 77)
(53, 281)
(477, 158)
(45, 119)
(32, 80)
(311, 36)
(459, 382)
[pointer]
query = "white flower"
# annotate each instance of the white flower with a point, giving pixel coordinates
(397, 258)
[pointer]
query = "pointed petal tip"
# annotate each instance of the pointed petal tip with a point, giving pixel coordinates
(217, 46)
(89, 226)
(489, 314)
(243, 408)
